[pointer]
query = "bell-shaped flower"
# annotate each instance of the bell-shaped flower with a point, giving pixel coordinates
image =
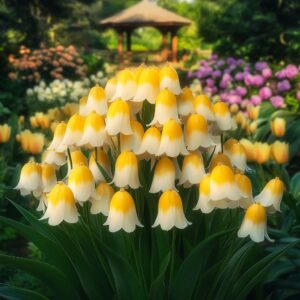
(101, 199)
(219, 159)
(165, 108)
(196, 133)
(168, 79)
(172, 143)
(238, 156)
(30, 179)
(150, 142)
(110, 88)
(192, 169)
(164, 176)
(52, 157)
(245, 189)
(133, 142)
(5, 131)
(58, 137)
(222, 116)
(94, 133)
(81, 182)
(48, 177)
(61, 205)
(126, 171)
(185, 102)
(170, 211)
(249, 148)
(77, 158)
(204, 107)
(83, 111)
(96, 101)
(254, 224)
(122, 213)
(74, 130)
(223, 185)
(278, 127)
(148, 85)
(118, 118)
(253, 111)
(101, 160)
(280, 152)
(204, 201)
(271, 196)
(126, 85)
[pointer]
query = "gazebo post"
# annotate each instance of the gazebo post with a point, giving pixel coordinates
(174, 44)
(120, 43)
(128, 39)
(164, 46)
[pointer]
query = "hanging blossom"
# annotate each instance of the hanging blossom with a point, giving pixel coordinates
(140, 138)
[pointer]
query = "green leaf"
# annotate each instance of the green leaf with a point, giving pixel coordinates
(295, 185)
(126, 281)
(17, 293)
(157, 288)
(185, 281)
(48, 274)
(254, 275)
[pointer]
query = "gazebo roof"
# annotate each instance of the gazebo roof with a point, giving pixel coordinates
(145, 13)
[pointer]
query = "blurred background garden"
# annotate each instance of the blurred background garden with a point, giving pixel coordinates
(245, 53)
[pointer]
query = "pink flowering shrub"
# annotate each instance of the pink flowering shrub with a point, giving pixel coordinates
(46, 63)
(242, 83)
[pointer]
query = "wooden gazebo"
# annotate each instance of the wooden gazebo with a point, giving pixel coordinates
(146, 13)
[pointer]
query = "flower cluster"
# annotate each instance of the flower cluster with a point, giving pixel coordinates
(46, 63)
(32, 143)
(238, 82)
(144, 139)
(59, 92)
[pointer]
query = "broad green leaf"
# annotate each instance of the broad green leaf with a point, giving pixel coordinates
(49, 275)
(16, 293)
(295, 185)
(187, 276)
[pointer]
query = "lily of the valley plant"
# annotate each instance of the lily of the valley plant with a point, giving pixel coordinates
(142, 157)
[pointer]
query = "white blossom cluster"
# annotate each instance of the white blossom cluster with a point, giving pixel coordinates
(63, 91)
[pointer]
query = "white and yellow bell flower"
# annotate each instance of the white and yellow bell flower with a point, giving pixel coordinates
(238, 156)
(223, 185)
(172, 143)
(132, 142)
(165, 108)
(150, 142)
(164, 176)
(103, 161)
(52, 157)
(81, 182)
(48, 177)
(122, 213)
(222, 116)
(170, 211)
(192, 169)
(271, 196)
(96, 101)
(126, 171)
(30, 179)
(77, 158)
(254, 224)
(94, 133)
(82, 106)
(148, 85)
(126, 85)
(60, 205)
(168, 79)
(219, 159)
(100, 200)
(74, 131)
(245, 189)
(204, 107)
(58, 137)
(185, 102)
(110, 88)
(204, 201)
(118, 118)
(196, 133)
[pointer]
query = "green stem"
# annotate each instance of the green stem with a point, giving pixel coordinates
(173, 252)
(222, 142)
(70, 158)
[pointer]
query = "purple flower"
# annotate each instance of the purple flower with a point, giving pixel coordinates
(216, 74)
(240, 62)
(260, 65)
(214, 57)
(239, 76)
(255, 99)
(241, 91)
(265, 92)
(280, 74)
(298, 96)
(234, 99)
(277, 101)
(220, 63)
(258, 80)
(231, 61)
(291, 71)
(210, 82)
(283, 85)
(224, 84)
(267, 72)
